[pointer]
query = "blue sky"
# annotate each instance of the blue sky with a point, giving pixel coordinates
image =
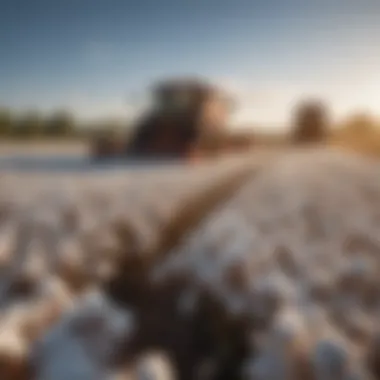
(93, 56)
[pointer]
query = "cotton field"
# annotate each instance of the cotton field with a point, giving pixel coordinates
(253, 268)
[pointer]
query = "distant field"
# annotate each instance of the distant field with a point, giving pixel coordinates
(43, 147)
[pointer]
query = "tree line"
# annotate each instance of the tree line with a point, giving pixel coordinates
(58, 124)
(63, 124)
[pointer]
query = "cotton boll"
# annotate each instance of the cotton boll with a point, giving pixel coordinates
(72, 267)
(282, 350)
(154, 367)
(21, 278)
(40, 318)
(55, 289)
(13, 352)
(110, 323)
(121, 375)
(289, 328)
(46, 308)
(87, 337)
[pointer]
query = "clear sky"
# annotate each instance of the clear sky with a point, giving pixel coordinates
(92, 56)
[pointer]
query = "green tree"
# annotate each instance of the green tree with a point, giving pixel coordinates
(5, 122)
(360, 123)
(31, 124)
(61, 123)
